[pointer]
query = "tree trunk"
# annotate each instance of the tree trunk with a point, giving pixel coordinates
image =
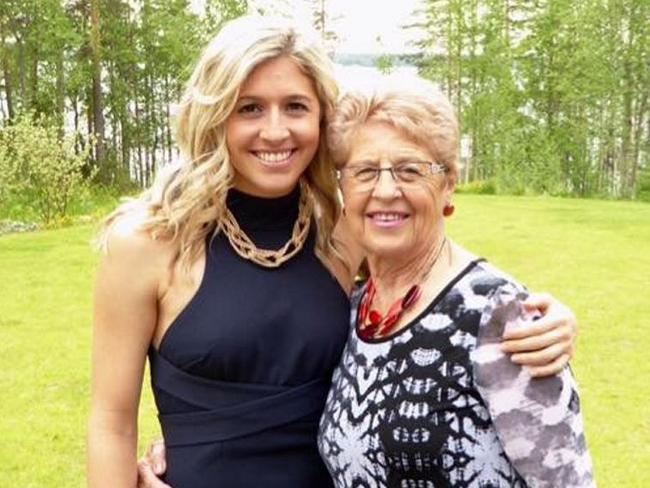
(638, 135)
(139, 169)
(6, 73)
(153, 130)
(60, 90)
(21, 69)
(126, 143)
(33, 89)
(97, 98)
(626, 145)
(75, 111)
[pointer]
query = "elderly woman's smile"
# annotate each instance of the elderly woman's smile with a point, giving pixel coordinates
(388, 220)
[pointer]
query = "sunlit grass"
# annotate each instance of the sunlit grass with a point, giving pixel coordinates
(45, 316)
(593, 255)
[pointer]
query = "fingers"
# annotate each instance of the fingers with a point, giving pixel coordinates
(155, 457)
(540, 337)
(550, 369)
(551, 310)
(147, 478)
(533, 328)
(543, 357)
(538, 302)
(555, 317)
(547, 344)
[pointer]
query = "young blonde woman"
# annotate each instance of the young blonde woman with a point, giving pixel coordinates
(228, 274)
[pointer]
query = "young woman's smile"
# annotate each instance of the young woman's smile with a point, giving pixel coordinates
(275, 158)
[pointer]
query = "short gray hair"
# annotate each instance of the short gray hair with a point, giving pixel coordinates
(413, 106)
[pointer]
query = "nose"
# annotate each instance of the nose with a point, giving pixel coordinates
(274, 128)
(386, 186)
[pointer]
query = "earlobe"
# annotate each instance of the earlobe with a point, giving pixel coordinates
(449, 208)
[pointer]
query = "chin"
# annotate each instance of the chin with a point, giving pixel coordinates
(281, 187)
(270, 186)
(388, 248)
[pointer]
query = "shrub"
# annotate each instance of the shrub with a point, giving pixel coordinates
(643, 188)
(39, 168)
(482, 187)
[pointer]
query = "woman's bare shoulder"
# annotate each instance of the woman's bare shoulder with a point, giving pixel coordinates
(128, 246)
(128, 236)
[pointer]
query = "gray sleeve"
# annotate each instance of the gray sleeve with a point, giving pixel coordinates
(537, 420)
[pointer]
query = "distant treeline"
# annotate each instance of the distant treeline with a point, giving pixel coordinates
(552, 94)
(107, 69)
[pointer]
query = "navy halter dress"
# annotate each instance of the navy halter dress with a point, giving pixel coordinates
(241, 377)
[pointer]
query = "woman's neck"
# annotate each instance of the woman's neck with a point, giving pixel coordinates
(393, 276)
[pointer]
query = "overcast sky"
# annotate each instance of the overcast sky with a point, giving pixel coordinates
(359, 23)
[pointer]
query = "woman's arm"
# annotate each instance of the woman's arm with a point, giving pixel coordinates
(545, 345)
(538, 420)
(124, 321)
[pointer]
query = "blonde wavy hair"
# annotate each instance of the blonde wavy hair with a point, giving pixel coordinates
(187, 201)
(413, 106)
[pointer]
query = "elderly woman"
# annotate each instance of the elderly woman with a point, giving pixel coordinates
(423, 395)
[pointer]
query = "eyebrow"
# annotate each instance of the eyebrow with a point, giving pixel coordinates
(396, 160)
(293, 97)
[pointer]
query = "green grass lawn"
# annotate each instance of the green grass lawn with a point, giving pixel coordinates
(593, 255)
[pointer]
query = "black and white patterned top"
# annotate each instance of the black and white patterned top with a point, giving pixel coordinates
(437, 404)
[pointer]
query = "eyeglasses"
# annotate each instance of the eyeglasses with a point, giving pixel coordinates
(363, 177)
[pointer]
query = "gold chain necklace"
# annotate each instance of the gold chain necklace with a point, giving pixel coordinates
(246, 248)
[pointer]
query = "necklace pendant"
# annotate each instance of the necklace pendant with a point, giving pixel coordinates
(375, 318)
(367, 332)
(411, 297)
(389, 322)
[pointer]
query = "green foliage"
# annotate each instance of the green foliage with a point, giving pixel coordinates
(479, 187)
(219, 12)
(91, 203)
(114, 75)
(552, 96)
(385, 64)
(323, 21)
(39, 168)
(643, 190)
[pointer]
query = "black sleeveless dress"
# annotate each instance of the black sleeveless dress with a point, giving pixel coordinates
(241, 376)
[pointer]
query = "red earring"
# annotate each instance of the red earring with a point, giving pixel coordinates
(448, 210)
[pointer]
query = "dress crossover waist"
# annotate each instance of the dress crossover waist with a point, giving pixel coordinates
(227, 410)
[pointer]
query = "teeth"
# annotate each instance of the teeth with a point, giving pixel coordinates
(273, 157)
(388, 217)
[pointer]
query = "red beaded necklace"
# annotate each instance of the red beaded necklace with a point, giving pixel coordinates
(371, 323)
